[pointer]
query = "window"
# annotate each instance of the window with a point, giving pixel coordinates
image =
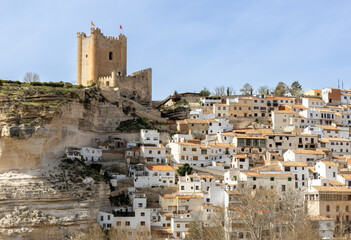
(142, 214)
(142, 223)
(337, 208)
(289, 179)
(110, 56)
(108, 217)
(254, 178)
(127, 223)
(193, 149)
(272, 178)
(328, 208)
(178, 225)
(140, 205)
(118, 223)
(102, 218)
(283, 188)
(181, 187)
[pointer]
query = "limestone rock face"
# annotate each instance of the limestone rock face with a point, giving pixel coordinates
(27, 146)
(61, 196)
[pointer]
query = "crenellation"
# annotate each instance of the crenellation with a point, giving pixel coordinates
(102, 60)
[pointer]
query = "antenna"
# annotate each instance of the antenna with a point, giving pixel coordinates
(342, 85)
(338, 83)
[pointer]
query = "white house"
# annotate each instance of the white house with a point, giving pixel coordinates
(158, 175)
(180, 225)
(240, 161)
(196, 184)
(138, 218)
(338, 146)
(299, 170)
(302, 155)
(280, 182)
(220, 125)
(312, 102)
(154, 154)
(191, 153)
(198, 114)
(149, 137)
(327, 169)
(88, 154)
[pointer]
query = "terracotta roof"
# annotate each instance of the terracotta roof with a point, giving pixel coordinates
(309, 98)
(335, 183)
(328, 127)
(285, 112)
(152, 147)
(240, 156)
(329, 163)
(267, 168)
(190, 121)
(296, 106)
(346, 176)
(192, 144)
(325, 140)
(332, 189)
(223, 145)
(303, 151)
(294, 164)
(248, 137)
(160, 168)
(324, 110)
(256, 174)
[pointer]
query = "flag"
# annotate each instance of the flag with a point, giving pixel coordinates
(120, 27)
(92, 23)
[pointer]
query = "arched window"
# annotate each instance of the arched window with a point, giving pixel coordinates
(110, 56)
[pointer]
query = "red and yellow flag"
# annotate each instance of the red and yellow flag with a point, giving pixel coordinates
(92, 23)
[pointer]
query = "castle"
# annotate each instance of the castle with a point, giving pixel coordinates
(102, 60)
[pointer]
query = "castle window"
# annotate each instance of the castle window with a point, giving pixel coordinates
(110, 56)
(107, 83)
(119, 73)
(86, 55)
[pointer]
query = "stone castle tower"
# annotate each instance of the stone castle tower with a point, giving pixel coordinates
(103, 60)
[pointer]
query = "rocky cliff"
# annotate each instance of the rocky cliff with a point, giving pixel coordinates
(37, 189)
(66, 195)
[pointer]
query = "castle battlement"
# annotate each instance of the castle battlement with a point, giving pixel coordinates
(103, 60)
(140, 72)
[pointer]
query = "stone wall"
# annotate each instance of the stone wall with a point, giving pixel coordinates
(137, 86)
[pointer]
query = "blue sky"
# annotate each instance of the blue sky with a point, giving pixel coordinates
(188, 44)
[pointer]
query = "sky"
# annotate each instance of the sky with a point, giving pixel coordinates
(188, 44)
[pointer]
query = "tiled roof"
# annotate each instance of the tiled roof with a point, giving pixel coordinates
(256, 174)
(329, 163)
(285, 112)
(332, 189)
(325, 140)
(293, 164)
(223, 145)
(240, 156)
(303, 151)
(160, 168)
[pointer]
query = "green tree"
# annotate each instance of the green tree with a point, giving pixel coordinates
(182, 170)
(295, 88)
(247, 89)
(230, 91)
(281, 89)
(205, 92)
